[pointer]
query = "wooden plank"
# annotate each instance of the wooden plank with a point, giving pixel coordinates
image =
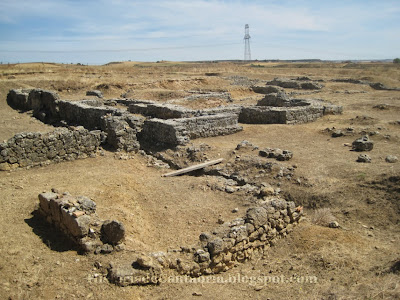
(192, 168)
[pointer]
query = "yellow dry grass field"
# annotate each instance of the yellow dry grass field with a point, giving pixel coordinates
(358, 260)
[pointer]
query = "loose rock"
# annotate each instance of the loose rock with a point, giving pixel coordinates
(364, 158)
(363, 144)
(391, 159)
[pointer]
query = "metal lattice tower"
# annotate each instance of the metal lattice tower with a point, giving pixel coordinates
(247, 54)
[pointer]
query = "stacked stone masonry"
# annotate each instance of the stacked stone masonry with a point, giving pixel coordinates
(62, 144)
(179, 131)
(161, 124)
(121, 127)
(169, 111)
(219, 250)
(298, 83)
(279, 108)
(76, 217)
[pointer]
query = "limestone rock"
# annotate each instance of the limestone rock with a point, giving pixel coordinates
(202, 256)
(363, 144)
(145, 262)
(391, 159)
(257, 216)
(364, 158)
(113, 232)
(216, 246)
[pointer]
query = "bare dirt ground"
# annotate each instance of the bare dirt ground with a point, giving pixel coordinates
(356, 261)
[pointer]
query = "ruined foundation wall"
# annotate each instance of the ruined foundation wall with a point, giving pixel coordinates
(230, 109)
(211, 125)
(298, 115)
(76, 217)
(120, 126)
(219, 250)
(262, 115)
(281, 115)
(62, 144)
(122, 131)
(83, 114)
(164, 132)
(160, 111)
(174, 132)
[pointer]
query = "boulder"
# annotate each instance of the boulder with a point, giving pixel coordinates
(363, 144)
(113, 232)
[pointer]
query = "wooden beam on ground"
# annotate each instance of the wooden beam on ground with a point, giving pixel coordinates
(192, 168)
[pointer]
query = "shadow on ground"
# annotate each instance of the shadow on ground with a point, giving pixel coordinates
(51, 236)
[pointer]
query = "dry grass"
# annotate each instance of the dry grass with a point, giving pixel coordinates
(322, 217)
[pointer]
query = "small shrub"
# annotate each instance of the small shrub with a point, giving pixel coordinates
(396, 61)
(323, 217)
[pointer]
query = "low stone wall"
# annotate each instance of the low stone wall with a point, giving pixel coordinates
(279, 108)
(229, 109)
(122, 131)
(174, 132)
(172, 124)
(18, 99)
(295, 84)
(47, 107)
(76, 217)
(169, 111)
(262, 115)
(219, 250)
(82, 113)
(298, 115)
(160, 111)
(32, 149)
(211, 125)
(280, 115)
(121, 127)
(195, 95)
(281, 100)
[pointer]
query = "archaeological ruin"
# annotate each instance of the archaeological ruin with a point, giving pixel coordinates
(83, 127)
(137, 124)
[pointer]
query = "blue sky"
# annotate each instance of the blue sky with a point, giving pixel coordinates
(98, 32)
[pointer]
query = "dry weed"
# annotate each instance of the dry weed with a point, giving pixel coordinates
(322, 217)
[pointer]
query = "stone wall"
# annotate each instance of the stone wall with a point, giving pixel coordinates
(18, 99)
(120, 126)
(174, 132)
(229, 109)
(279, 108)
(163, 133)
(219, 250)
(160, 110)
(280, 115)
(262, 115)
(298, 83)
(32, 149)
(172, 124)
(82, 113)
(47, 107)
(122, 131)
(76, 217)
(281, 100)
(169, 111)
